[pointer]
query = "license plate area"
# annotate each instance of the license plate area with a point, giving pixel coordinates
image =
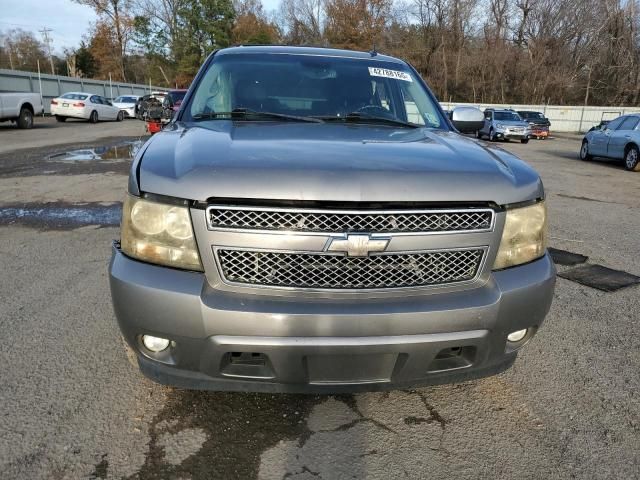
(65, 104)
(350, 369)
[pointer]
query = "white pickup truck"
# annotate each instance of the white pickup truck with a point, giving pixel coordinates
(20, 108)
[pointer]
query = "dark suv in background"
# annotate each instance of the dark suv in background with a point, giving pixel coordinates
(540, 124)
(311, 221)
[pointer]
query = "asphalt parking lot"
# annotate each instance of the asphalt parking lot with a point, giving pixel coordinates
(72, 405)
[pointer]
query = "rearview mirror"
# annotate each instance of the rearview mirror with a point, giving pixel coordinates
(467, 119)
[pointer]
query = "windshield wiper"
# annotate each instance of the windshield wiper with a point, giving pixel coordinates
(247, 114)
(357, 117)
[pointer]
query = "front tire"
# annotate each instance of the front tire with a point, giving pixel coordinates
(93, 118)
(492, 135)
(584, 151)
(60, 119)
(25, 120)
(120, 116)
(524, 140)
(632, 159)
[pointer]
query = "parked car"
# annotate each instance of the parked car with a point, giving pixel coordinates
(330, 232)
(600, 126)
(619, 139)
(20, 108)
(127, 103)
(504, 124)
(539, 124)
(86, 106)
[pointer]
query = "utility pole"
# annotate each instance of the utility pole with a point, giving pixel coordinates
(45, 33)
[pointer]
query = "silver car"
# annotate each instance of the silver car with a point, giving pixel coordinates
(333, 232)
(504, 125)
(618, 140)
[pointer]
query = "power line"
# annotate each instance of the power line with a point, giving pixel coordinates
(45, 33)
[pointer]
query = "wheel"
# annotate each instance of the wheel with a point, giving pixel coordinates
(93, 118)
(524, 140)
(632, 159)
(60, 119)
(584, 151)
(25, 120)
(120, 116)
(492, 135)
(478, 135)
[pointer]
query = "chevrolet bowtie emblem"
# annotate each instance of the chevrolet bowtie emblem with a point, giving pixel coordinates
(357, 245)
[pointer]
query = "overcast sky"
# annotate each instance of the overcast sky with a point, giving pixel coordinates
(68, 20)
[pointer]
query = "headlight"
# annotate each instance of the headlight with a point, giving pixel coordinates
(159, 233)
(499, 125)
(524, 237)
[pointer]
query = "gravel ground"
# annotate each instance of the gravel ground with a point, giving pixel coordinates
(72, 406)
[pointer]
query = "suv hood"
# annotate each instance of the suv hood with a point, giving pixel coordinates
(538, 121)
(329, 162)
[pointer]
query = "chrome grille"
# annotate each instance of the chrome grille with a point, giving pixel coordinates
(308, 270)
(449, 220)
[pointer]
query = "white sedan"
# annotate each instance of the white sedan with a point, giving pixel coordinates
(84, 105)
(127, 103)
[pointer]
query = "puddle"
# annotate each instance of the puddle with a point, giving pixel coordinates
(62, 216)
(112, 153)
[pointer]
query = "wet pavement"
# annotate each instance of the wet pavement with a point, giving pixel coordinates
(119, 152)
(72, 405)
(61, 216)
(109, 155)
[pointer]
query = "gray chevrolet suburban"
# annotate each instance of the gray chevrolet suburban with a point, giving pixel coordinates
(311, 221)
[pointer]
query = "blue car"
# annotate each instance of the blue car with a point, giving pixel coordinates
(618, 140)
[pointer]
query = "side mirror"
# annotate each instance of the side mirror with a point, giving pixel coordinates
(467, 119)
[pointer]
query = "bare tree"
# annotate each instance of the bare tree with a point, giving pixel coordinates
(118, 15)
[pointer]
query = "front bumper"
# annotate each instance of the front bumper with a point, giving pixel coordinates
(508, 134)
(227, 341)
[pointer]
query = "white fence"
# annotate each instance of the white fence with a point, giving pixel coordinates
(53, 86)
(562, 118)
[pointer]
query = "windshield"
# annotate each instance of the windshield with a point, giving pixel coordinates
(74, 96)
(531, 115)
(125, 100)
(313, 86)
(507, 116)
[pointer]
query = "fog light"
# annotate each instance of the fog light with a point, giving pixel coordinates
(517, 335)
(155, 344)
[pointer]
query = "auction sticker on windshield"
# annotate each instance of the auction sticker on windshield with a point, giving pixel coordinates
(383, 72)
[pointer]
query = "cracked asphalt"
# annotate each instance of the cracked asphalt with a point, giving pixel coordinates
(73, 406)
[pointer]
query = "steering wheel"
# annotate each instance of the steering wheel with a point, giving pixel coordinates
(376, 111)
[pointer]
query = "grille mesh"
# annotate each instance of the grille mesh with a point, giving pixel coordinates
(425, 221)
(304, 270)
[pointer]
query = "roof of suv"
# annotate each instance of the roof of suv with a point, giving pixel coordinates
(325, 52)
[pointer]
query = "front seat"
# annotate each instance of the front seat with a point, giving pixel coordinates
(252, 95)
